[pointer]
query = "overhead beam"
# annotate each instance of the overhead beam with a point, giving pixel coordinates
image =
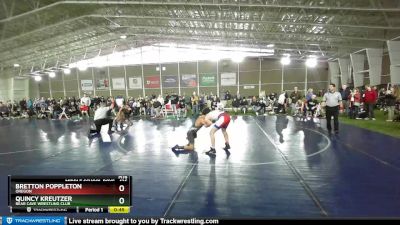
(278, 22)
(202, 4)
(195, 20)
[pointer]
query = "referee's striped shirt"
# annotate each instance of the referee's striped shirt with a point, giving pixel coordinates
(332, 99)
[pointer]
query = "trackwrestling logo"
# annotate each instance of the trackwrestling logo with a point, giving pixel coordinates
(9, 220)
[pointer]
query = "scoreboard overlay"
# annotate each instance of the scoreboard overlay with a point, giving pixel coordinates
(93, 194)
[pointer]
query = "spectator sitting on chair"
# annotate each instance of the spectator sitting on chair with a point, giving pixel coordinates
(294, 96)
(255, 105)
(228, 96)
(243, 105)
(312, 105)
(85, 101)
(309, 94)
(64, 112)
(84, 110)
(4, 111)
(101, 117)
(235, 104)
(262, 105)
(182, 107)
(214, 102)
(156, 108)
(42, 114)
(298, 108)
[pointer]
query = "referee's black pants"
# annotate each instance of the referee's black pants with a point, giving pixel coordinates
(102, 122)
(332, 111)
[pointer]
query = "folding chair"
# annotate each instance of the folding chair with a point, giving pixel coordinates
(167, 109)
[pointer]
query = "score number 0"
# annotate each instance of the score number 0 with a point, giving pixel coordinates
(121, 188)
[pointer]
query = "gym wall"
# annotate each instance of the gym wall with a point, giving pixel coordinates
(254, 75)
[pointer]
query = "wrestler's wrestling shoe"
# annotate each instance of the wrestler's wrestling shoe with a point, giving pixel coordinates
(211, 152)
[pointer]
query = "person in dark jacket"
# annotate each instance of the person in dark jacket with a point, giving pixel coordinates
(345, 92)
(390, 99)
(235, 104)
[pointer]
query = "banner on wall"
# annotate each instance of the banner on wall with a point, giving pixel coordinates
(135, 83)
(152, 82)
(86, 85)
(170, 81)
(102, 84)
(249, 87)
(208, 80)
(189, 80)
(228, 79)
(118, 83)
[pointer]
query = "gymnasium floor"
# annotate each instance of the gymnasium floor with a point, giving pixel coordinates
(278, 167)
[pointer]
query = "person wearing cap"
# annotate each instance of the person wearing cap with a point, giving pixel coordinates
(333, 103)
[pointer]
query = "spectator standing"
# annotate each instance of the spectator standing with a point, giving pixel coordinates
(345, 93)
(195, 104)
(370, 98)
(390, 103)
(355, 103)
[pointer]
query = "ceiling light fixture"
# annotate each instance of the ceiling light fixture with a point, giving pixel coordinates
(52, 74)
(311, 62)
(285, 60)
(67, 71)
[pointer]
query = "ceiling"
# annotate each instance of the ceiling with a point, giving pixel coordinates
(40, 34)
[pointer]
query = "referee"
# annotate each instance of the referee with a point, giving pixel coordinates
(333, 100)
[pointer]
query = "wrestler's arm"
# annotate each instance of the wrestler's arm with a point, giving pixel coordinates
(207, 122)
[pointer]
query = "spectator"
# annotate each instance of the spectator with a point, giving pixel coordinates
(345, 93)
(235, 104)
(22, 105)
(243, 105)
(156, 109)
(228, 96)
(390, 103)
(195, 104)
(369, 101)
(182, 107)
(262, 103)
(309, 94)
(355, 103)
(85, 101)
(255, 105)
(174, 102)
(214, 103)
(294, 97)
(312, 105)
(4, 111)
